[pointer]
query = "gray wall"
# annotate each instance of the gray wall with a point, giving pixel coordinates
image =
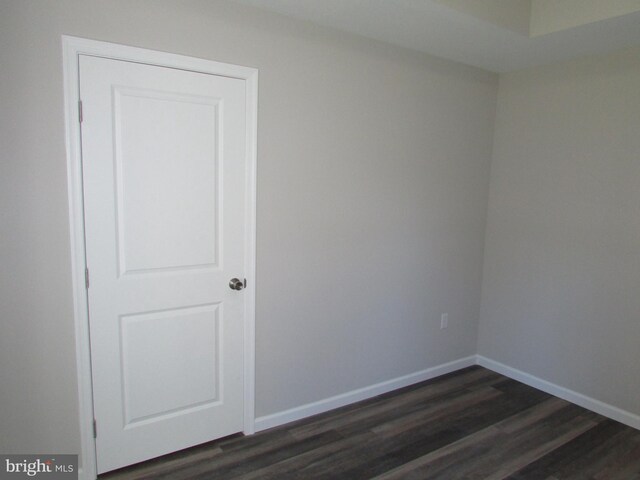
(373, 183)
(561, 288)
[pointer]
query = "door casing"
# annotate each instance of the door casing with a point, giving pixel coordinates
(73, 47)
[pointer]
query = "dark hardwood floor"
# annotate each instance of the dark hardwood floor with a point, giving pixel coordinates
(471, 424)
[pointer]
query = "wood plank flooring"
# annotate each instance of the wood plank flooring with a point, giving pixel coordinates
(471, 424)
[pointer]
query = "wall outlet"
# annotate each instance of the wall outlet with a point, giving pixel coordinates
(444, 320)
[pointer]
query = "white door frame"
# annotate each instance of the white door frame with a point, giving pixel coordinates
(72, 47)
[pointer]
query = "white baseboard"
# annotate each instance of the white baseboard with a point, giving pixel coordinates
(579, 399)
(321, 406)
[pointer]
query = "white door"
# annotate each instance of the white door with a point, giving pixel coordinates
(163, 155)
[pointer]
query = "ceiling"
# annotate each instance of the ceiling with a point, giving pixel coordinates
(496, 35)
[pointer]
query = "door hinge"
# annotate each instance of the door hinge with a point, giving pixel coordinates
(86, 277)
(95, 428)
(80, 110)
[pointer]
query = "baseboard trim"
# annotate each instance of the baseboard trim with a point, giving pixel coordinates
(579, 399)
(321, 406)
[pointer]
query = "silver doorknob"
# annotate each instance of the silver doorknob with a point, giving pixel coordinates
(236, 284)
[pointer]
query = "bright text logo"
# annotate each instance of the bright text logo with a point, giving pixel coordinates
(50, 467)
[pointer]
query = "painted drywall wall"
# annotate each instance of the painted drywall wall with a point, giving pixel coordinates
(562, 262)
(548, 16)
(372, 187)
